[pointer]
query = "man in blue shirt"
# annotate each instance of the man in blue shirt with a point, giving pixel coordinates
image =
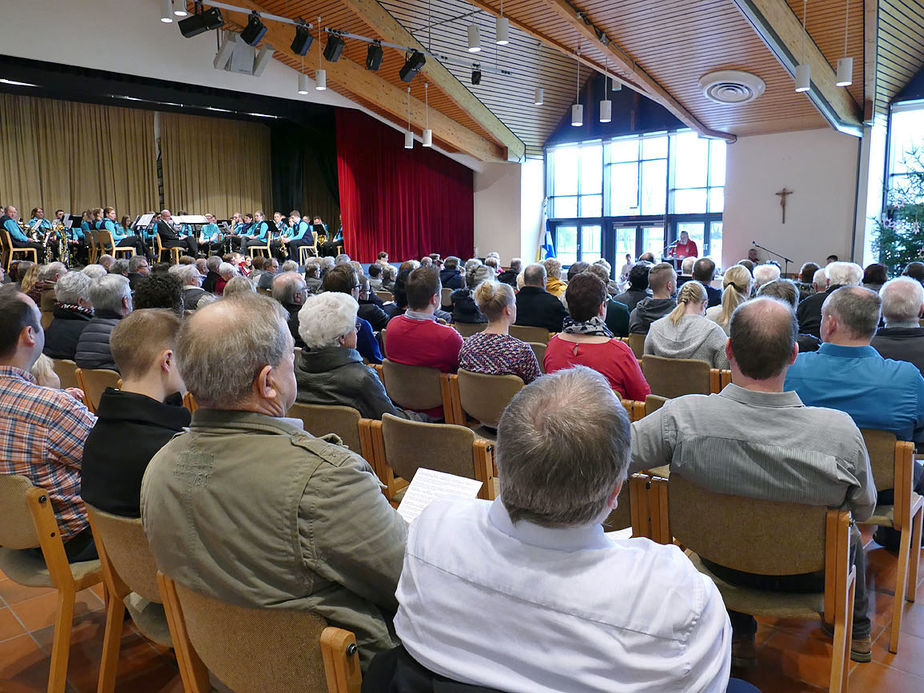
(299, 234)
(259, 232)
(17, 237)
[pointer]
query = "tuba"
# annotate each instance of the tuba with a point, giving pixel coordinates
(64, 248)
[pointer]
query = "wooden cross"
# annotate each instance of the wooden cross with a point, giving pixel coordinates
(783, 193)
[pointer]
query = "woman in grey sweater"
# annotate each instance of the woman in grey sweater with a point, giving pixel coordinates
(686, 333)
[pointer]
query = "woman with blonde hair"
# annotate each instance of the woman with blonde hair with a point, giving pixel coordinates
(736, 289)
(685, 333)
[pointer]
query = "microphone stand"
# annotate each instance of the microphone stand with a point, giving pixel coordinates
(773, 252)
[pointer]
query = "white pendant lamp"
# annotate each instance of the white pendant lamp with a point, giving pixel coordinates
(577, 110)
(408, 134)
(538, 96)
(577, 115)
(179, 8)
(606, 111)
(303, 83)
(474, 38)
(845, 64)
(502, 31)
(320, 77)
(803, 69)
(427, 135)
(166, 11)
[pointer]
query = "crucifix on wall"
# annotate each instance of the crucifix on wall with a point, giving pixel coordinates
(783, 194)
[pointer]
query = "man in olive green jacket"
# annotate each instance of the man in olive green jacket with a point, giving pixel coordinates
(247, 508)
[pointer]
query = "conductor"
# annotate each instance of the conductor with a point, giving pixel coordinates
(170, 238)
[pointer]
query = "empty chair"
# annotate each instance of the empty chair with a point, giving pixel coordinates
(467, 329)
(677, 377)
(29, 522)
(484, 397)
(257, 649)
(130, 576)
(322, 419)
(417, 388)
(892, 462)
(653, 403)
(539, 335)
(94, 382)
(67, 372)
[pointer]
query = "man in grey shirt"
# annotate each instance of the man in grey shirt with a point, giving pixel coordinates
(755, 440)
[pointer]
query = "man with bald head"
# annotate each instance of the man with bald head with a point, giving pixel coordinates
(902, 338)
(290, 289)
(170, 237)
(757, 440)
(246, 507)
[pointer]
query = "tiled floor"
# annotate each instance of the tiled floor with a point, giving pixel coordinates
(793, 655)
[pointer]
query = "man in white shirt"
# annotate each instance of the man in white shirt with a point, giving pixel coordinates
(528, 594)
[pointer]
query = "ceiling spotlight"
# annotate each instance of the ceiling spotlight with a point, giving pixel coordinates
(196, 24)
(502, 31)
(166, 11)
(538, 96)
(303, 39)
(179, 8)
(374, 56)
(303, 83)
(412, 65)
(476, 74)
(254, 31)
(334, 48)
(474, 38)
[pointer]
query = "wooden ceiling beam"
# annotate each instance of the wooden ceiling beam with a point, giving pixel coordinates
(870, 57)
(390, 29)
(779, 28)
(368, 86)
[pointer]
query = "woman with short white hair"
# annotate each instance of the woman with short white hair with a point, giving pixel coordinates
(330, 369)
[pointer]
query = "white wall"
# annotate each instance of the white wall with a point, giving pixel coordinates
(508, 209)
(820, 167)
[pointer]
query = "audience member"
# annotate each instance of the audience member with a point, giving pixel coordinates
(226, 272)
(120, 266)
(331, 370)
(556, 624)
(647, 257)
(764, 274)
(138, 269)
(71, 314)
(43, 370)
(313, 275)
(111, 297)
(830, 259)
(685, 333)
(536, 307)
(389, 276)
(586, 341)
(553, 283)
(748, 264)
(874, 276)
(192, 286)
(612, 288)
(375, 276)
(662, 279)
(837, 274)
(162, 291)
(290, 290)
(239, 284)
(915, 270)
(94, 271)
(803, 454)
(736, 289)
(106, 261)
(704, 273)
(638, 286)
(493, 350)
(270, 272)
(509, 275)
(320, 534)
(686, 270)
(786, 291)
(464, 307)
(138, 419)
(209, 284)
(806, 280)
(371, 308)
(42, 430)
(48, 276)
(617, 314)
(343, 279)
(902, 338)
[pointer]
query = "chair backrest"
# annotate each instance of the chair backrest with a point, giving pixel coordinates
(637, 344)
(96, 380)
(17, 530)
(712, 525)
(539, 335)
(385, 295)
(410, 445)
(676, 377)
(467, 329)
(881, 448)
(539, 351)
(484, 397)
(653, 403)
(445, 298)
(255, 649)
(127, 549)
(321, 419)
(412, 387)
(105, 239)
(67, 372)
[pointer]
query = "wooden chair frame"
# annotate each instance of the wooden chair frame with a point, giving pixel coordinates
(526, 333)
(636, 342)
(263, 247)
(339, 652)
(82, 384)
(451, 410)
(175, 253)
(635, 409)
(9, 250)
(105, 238)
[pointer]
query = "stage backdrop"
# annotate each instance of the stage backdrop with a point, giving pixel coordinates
(407, 202)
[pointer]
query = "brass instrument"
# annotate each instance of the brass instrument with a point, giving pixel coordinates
(64, 248)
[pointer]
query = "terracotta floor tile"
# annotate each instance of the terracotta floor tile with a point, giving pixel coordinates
(23, 666)
(874, 677)
(13, 592)
(797, 659)
(10, 627)
(913, 618)
(910, 656)
(39, 612)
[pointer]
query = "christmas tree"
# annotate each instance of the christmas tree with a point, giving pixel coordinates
(900, 239)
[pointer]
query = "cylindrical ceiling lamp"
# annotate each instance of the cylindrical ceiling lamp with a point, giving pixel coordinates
(803, 77)
(427, 135)
(502, 31)
(845, 64)
(303, 83)
(408, 139)
(166, 11)
(474, 38)
(577, 110)
(577, 115)
(320, 80)
(179, 8)
(538, 96)
(606, 111)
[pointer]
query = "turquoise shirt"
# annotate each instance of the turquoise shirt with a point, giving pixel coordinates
(118, 233)
(299, 230)
(259, 230)
(75, 233)
(15, 232)
(209, 232)
(45, 223)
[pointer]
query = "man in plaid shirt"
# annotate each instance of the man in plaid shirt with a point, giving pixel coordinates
(42, 431)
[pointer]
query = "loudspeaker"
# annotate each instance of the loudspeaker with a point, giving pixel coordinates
(302, 41)
(200, 23)
(334, 48)
(254, 31)
(374, 57)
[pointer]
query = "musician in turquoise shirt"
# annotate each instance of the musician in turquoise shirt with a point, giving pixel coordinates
(300, 235)
(259, 232)
(17, 237)
(120, 236)
(39, 221)
(209, 238)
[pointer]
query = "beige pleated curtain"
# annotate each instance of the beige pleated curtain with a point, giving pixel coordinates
(61, 154)
(215, 165)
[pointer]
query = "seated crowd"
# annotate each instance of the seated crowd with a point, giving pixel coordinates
(514, 594)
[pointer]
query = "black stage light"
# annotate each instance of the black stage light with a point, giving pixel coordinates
(374, 56)
(254, 31)
(334, 48)
(303, 40)
(412, 65)
(196, 24)
(476, 74)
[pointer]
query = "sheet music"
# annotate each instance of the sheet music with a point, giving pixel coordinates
(144, 220)
(190, 219)
(428, 485)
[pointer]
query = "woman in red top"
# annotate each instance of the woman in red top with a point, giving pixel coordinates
(586, 341)
(685, 247)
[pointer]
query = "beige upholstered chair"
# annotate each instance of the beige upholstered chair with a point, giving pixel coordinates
(653, 403)
(484, 397)
(892, 462)
(344, 422)
(386, 296)
(711, 525)
(539, 351)
(467, 329)
(257, 649)
(539, 335)
(130, 577)
(417, 387)
(29, 522)
(67, 372)
(677, 377)
(636, 342)
(94, 381)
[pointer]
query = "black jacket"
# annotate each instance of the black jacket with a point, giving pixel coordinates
(898, 343)
(93, 346)
(166, 232)
(715, 295)
(464, 307)
(617, 318)
(292, 310)
(508, 277)
(809, 312)
(210, 281)
(632, 297)
(451, 278)
(377, 317)
(536, 307)
(129, 431)
(64, 332)
(191, 296)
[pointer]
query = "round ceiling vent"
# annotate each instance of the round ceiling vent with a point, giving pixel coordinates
(731, 86)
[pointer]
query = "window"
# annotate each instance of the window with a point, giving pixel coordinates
(576, 180)
(698, 174)
(906, 146)
(637, 168)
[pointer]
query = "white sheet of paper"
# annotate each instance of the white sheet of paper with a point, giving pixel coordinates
(428, 485)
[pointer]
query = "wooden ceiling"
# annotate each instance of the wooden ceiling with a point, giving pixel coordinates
(660, 48)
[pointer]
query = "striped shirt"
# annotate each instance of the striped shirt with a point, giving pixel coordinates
(499, 354)
(42, 432)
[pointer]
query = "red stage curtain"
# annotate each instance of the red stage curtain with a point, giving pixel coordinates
(407, 202)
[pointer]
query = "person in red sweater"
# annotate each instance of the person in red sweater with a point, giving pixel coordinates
(685, 247)
(416, 338)
(586, 341)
